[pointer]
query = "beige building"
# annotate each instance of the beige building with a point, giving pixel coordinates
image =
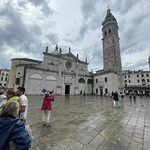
(138, 81)
(4, 77)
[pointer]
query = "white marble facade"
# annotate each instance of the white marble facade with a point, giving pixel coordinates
(62, 73)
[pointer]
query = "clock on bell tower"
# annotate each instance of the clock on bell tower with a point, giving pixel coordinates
(111, 47)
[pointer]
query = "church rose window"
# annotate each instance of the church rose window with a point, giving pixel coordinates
(68, 65)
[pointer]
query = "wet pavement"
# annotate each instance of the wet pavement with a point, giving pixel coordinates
(91, 123)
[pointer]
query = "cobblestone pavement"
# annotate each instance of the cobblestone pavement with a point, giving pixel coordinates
(91, 123)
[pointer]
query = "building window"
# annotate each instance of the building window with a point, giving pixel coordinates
(125, 85)
(1, 78)
(17, 81)
(5, 79)
(0, 84)
(96, 91)
(109, 31)
(125, 81)
(105, 79)
(96, 80)
(143, 80)
(106, 91)
(147, 80)
(147, 75)
(5, 84)
(137, 75)
(124, 76)
(105, 33)
(89, 81)
(128, 76)
(142, 75)
(138, 81)
(6, 74)
(81, 80)
(129, 81)
(2, 74)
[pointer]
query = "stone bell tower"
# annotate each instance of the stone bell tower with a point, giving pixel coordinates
(111, 46)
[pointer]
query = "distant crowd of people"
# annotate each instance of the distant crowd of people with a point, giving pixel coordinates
(119, 98)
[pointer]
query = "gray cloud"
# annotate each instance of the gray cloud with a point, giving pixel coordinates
(46, 9)
(123, 6)
(83, 32)
(94, 55)
(138, 65)
(4, 61)
(37, 2)
(15, 32)
(88, 8)
(53, 38)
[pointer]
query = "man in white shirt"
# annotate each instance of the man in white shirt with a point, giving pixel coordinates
(23, 102)
(2, 98)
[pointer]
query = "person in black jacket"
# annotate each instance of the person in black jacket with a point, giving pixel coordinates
(116, 99)
(13, 134)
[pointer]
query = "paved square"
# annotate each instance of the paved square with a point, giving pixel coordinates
(91, 123)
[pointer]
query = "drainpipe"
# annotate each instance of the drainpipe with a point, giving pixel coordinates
(24, 76)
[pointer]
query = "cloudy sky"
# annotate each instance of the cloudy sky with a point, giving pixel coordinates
(28, 26)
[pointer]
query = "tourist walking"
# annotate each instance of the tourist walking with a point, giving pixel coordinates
(130, 96)
(13, 134)
(134, 96)
(46, 107)
(121, 98)
(116, 99)
(23, 103)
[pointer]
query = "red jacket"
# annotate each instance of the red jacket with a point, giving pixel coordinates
(46, 105)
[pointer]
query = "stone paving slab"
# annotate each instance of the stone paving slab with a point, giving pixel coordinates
(91, 123)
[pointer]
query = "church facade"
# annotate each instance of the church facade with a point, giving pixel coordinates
(66, 74)
(61, 73)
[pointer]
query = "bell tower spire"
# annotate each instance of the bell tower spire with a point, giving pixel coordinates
(111, 46)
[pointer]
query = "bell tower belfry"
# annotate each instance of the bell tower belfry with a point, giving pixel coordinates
(111, 46)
